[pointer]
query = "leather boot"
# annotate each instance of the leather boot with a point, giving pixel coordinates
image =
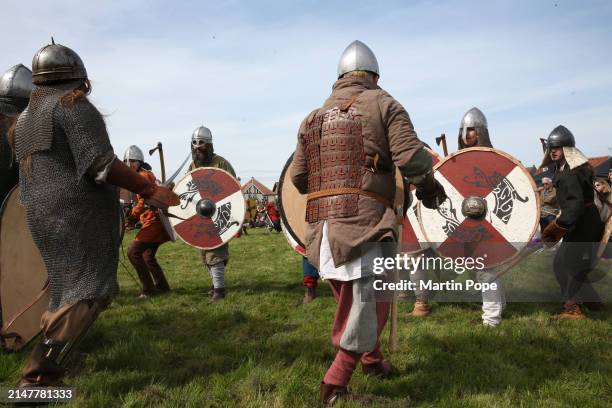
(310, 294)
(211, 291)
(218, 295)
(159, 279)
(40, 370)
(571, 311)
(382, 369)
(421, 309)
(329, 393)
(148, 287)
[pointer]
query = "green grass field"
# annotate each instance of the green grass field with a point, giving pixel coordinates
(262, 348)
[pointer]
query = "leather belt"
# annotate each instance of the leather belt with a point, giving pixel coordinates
(347, 190)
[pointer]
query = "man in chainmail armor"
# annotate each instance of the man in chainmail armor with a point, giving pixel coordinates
(203, 154)
(68, 174)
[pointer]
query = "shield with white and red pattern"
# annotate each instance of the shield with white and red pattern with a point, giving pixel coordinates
(413, 239)
(492, 211)
(212, 208)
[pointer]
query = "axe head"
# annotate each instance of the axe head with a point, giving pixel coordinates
(151, 151)
(439, 139)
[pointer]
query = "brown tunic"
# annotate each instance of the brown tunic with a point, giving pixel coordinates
(389, 140)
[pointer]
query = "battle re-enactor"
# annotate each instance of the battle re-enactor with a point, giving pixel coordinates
(68, 173)
(345, 160)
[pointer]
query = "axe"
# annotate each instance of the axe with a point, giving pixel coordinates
(442, 139)
(161, 159)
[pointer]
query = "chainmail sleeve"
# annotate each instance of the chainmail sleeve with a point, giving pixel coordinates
(86, 135)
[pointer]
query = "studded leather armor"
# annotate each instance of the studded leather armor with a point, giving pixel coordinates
(336, 163)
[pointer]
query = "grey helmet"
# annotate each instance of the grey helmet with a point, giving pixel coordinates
(15, 88)
(201, 133)
(357, 57)
(55, 62)
(561, 137)
(133, 153)
(475, 119)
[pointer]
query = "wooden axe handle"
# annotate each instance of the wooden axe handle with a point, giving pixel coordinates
(161, 162)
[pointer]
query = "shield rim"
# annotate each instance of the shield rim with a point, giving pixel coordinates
(243, 211)
(288, 238)
(167, 225)
(281, 182)
(518, 164)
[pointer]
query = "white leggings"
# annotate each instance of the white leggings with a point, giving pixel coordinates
(217, 274)
(493, 301)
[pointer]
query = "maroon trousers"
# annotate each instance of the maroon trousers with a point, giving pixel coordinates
(150, 273)
(346, 361)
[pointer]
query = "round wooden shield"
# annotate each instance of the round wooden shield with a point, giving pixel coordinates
(292, 207)
(493, 208)
(23, 276)
(413, 239)
(212, 208)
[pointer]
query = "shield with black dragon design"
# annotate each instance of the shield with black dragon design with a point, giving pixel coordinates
(492, 211)
(212, 208)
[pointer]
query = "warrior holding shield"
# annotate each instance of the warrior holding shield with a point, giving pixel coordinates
(203, 154)
(151, 235)
(15, 88)
(68, 173)
(578, 223)
(474, 132)
(345, 161)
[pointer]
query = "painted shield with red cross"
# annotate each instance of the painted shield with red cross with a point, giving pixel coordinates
(413, 239)
(212, 208)
(492, 211)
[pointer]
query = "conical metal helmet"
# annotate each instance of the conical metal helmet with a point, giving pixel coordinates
(15, 88)
(474, 118)
(357, 57)
(561, 137)
(202, 133)
(16, 82)
(55, 62)
(133, 153)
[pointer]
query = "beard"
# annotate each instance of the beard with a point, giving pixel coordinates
(203, 157)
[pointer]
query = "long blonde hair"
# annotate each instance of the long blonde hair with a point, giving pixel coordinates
(77, 94)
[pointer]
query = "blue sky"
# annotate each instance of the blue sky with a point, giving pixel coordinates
(252, 70)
